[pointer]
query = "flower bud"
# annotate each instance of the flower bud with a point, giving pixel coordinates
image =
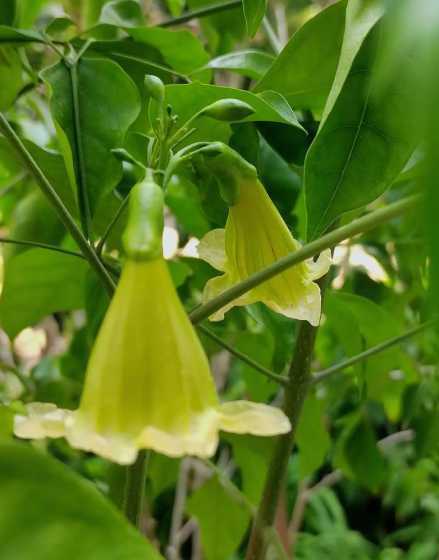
(142, 238)
(155, 88)
(228, 110)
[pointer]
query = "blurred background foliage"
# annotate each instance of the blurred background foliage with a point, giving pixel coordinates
(363, 481)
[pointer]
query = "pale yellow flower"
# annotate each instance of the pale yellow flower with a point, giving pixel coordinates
(148, 383)
(255, 237)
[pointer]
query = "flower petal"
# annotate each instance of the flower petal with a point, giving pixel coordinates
(320, 267)
(220, 284)
(42, 420)
(243, 417)
(199, 439)
(212, 249)
(307, 307)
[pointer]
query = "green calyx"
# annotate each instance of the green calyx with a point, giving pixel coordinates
(229, 169)
(142, 238)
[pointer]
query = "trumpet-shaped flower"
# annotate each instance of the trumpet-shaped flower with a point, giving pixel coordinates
(255, 237)
(148, 383)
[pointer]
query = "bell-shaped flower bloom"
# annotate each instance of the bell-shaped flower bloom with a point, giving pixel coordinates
(148, 382)
(255, 237)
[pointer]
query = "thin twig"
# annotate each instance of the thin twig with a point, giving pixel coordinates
(173, 552)
(41, 246)
(243, 357)
(100, 245)
(337, 368)
(273, 39)
(202, 12)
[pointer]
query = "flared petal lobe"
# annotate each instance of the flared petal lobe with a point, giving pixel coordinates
(256, 236)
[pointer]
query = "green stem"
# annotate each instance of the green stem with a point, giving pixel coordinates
(52, 196)
(361, 225)
(337, 368)
(202, 12)
(81, 174)
(41, 246)
(243, 357)
(135, 489)
(110, 226)
(273, 39)
(295, 394)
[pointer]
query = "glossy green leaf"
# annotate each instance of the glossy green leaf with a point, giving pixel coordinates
(33, 220)
(312, 436)
(260, 347)
(7, 12)
(123, 13)
(106, 108)
(176, 6)
(359, 324)
(47, 510)
(180, 49)
(254, 11)
(184, 199)
(186, 100)
(250, 455)
(251, 63)
(222, 519)
(362, 126)
(11, 35)
(305, 69)
(221, 29)
(361, 17)
(37, 283)
(358, 454)
(11, 76)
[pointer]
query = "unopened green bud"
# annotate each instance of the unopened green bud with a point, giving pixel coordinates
(228, 110)
(142, 238)
(155, 88)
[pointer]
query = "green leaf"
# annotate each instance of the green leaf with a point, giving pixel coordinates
(7, 12)
(45, 508)
(34, 219)
(181, 50)
(186, 100)
(184, 199)
(305, 69)
(250, 455)
(11, 76)
(123, 13)
(221, 29)
(254, 11)
(251, 63)
(28, 11)
(222, 519)
(361, 17)
(11, 35)
(260, 347)
(107, 107)
(312, 436)
(358, 455)
(37, 283)
(176, 6)
(359, 324)
(363, 126)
